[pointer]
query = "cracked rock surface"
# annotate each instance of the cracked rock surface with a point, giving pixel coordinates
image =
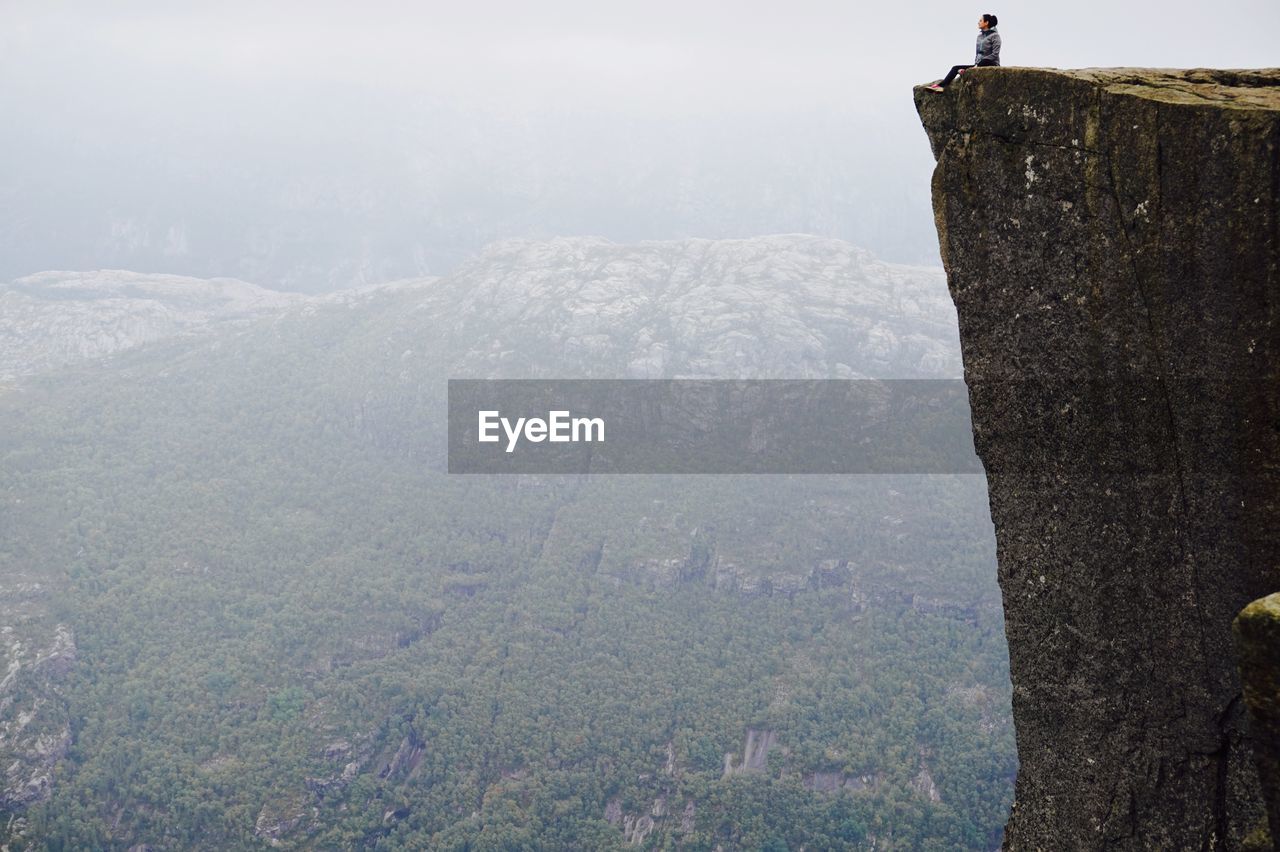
(1112, 243)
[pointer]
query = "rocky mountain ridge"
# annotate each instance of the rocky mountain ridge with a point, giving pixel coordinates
(790, 306)
(53, 319)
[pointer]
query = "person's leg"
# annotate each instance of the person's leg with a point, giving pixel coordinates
(951, 75)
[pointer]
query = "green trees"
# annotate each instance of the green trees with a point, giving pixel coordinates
(291, 627)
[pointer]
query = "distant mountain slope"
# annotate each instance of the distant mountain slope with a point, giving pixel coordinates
(790, 306)
(246, 606)
(51, 319)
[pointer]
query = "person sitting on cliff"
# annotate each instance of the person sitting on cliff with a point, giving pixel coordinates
(988, 52)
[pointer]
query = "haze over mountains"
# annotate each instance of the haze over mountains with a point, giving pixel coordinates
(243, 604)
(295, 188)
(771, 307)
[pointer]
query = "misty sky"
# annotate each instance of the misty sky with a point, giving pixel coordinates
(144, 133)
(733, 52)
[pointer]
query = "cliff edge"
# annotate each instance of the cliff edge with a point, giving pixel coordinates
(1112, 243)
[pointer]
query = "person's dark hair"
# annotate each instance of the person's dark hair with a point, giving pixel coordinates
(990, 19)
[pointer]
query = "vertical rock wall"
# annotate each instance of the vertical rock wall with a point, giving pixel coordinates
(1112, 243)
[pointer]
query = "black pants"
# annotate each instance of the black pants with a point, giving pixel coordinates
(956, 69)
(951, 75)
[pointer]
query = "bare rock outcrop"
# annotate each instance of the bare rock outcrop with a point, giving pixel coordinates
(1112, 245)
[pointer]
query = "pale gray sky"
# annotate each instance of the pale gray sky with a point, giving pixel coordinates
(203, 128)
(667, 51)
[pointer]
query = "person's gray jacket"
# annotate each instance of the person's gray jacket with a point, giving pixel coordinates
(988, 48)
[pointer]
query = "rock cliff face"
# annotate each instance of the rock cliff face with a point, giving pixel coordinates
(1112, 244)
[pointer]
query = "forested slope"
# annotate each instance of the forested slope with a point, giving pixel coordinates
(286, 624)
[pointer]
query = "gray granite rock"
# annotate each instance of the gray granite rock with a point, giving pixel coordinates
(1112, 244)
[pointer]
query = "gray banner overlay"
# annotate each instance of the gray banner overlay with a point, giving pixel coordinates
(710, 426)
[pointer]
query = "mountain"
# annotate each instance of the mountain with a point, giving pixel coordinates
(269, 617)
(52, 319)
(687, 308)
(789, 306)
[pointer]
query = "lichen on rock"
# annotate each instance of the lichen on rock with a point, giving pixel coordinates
(1257, 630)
